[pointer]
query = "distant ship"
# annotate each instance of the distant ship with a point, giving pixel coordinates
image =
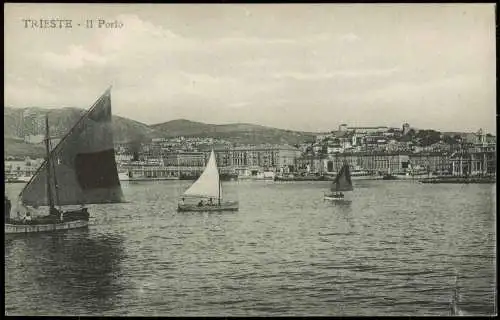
(80, 170)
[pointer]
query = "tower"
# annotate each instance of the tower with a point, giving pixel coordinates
(406, 128)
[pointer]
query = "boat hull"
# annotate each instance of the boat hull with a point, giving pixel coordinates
(72, 220)
(36, 228)
(225, 206)
(336, 198)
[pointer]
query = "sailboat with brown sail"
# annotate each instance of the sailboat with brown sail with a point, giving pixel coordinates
(342, 183)
(80, 170)
(208, 190)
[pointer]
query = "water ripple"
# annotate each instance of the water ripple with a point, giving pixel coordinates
(286, 252)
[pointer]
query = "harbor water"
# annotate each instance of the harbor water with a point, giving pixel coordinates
(393, 250)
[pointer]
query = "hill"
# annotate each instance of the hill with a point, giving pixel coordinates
(241, 133)
(61, 120)
(16, 147)
(127, 130)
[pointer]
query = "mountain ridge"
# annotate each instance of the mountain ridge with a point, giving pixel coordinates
(127, 130)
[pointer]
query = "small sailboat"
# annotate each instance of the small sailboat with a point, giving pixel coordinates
(79, 170)
(342, 183)
(208, 190)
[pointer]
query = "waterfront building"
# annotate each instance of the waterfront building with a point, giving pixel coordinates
(311, 164)
(185, 162)
(475, 160)
(435, 162)
(21, 168)
(370, 161)
(240, 160)
(148, 169)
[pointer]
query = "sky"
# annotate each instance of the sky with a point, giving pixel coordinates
(306, 67)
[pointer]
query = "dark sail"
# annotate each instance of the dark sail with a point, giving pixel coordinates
(83, 164)
(343, 180)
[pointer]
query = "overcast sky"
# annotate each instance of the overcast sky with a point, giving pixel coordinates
(302, 67)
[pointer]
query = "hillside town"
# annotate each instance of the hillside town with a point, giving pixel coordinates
(370, 151)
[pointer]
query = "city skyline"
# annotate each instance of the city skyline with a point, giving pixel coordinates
(297, 67)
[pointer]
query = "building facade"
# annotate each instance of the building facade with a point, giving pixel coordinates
(26, 168)
(480, 160)
(436, 162)
(369, 161)
(235, 160)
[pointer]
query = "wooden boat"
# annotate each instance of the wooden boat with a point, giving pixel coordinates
(79, 170)
(223, 206)
(205, 194)
(342, 183)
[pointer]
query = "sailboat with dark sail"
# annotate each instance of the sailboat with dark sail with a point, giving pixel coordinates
(80, 170)
(208, 190)
(342, 183)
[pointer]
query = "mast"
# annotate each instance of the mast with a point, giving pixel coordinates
(219, 191)
(47, 149)
(56, 185)
(215, 158)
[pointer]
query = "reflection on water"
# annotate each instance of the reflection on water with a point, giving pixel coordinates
(392, 251)
(63, 273)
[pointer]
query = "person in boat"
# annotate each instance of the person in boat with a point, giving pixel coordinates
(200, 204)
(182, 201)
(27, 218)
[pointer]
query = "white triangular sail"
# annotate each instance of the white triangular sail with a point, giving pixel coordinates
(208, 184)
(83, 164)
